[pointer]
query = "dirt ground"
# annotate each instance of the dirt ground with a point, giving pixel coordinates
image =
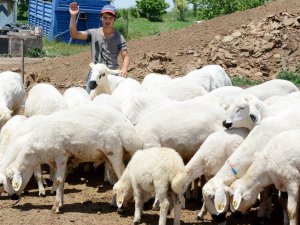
(87, 197)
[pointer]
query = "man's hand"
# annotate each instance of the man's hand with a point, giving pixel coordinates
(124, 72)
(74, 9)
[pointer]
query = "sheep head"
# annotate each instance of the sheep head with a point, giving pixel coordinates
(99, 72)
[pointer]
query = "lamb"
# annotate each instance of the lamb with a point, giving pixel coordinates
(275, 87)
(87, 133)
(76, 96)
(212, 154)
(12, 94)
(154, 171)
(103, 79)
(209, 77)
(215, 191)
(43, 99)
(278, 164)
(182, 126)
(247, 110)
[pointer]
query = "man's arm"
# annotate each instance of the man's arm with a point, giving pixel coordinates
(81, 35)
(125, 56)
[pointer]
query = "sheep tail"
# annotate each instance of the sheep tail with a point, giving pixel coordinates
(178, 182)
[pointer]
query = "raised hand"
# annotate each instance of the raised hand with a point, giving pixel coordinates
(73, 9)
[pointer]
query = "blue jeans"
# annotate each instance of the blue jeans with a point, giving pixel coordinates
(88, 78)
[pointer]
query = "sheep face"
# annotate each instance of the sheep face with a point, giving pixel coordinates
(122, 193)
(19, 179)
(238, 114)
(242, 198)
(98, 71)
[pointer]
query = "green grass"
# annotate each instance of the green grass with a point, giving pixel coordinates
(62, 49)
(290, 76)
(242, 81)
(142, 27)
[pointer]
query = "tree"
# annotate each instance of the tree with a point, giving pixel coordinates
(196, 4)
(208, 9)
(152, 9)
(23, 8)
(181, 8)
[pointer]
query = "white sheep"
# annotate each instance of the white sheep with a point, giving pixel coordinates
(17, 126)
(12, 94)
(103, 79)
(142, 103)
(87, 133)
(278, 164)
(106, 99)
(215, 191)
(157, 172)
(212, 154)
(275, 87)
(125, 90)
(43, 98)
(179, 89)
(75, 96)
(209, 77)
(182, 126)
(247, 110)
(222, 96)
(154, 80)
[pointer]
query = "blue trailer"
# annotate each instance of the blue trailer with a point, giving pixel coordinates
(54, 18)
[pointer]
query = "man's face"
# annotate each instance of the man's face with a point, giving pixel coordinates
(107, 19)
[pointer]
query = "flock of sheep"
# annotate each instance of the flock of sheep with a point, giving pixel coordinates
(156, 138)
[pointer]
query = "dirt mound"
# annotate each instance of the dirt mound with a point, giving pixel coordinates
(257, 50)
(256, 43)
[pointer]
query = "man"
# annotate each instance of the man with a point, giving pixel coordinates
(107, 43)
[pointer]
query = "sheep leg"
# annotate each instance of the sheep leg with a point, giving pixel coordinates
(109, 175)
(164, 207)
(292, 206)
(263, 206)
(138, 199)
(53, 178)
(39, 178)
(61, 166)
(283, 202)
(177, 208)
(202, 212)
(117, 163)
(160, 193)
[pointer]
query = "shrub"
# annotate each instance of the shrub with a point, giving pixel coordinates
(290, 76)
(35, 52)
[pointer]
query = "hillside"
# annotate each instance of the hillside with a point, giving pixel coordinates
(256, 43)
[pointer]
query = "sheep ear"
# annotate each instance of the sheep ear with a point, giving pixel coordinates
(236, 201)
(254, 114)
(220, 201)
(17, 182)
(113, 72)
(92, 65)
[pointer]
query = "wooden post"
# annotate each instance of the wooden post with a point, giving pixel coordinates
(22, 59)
